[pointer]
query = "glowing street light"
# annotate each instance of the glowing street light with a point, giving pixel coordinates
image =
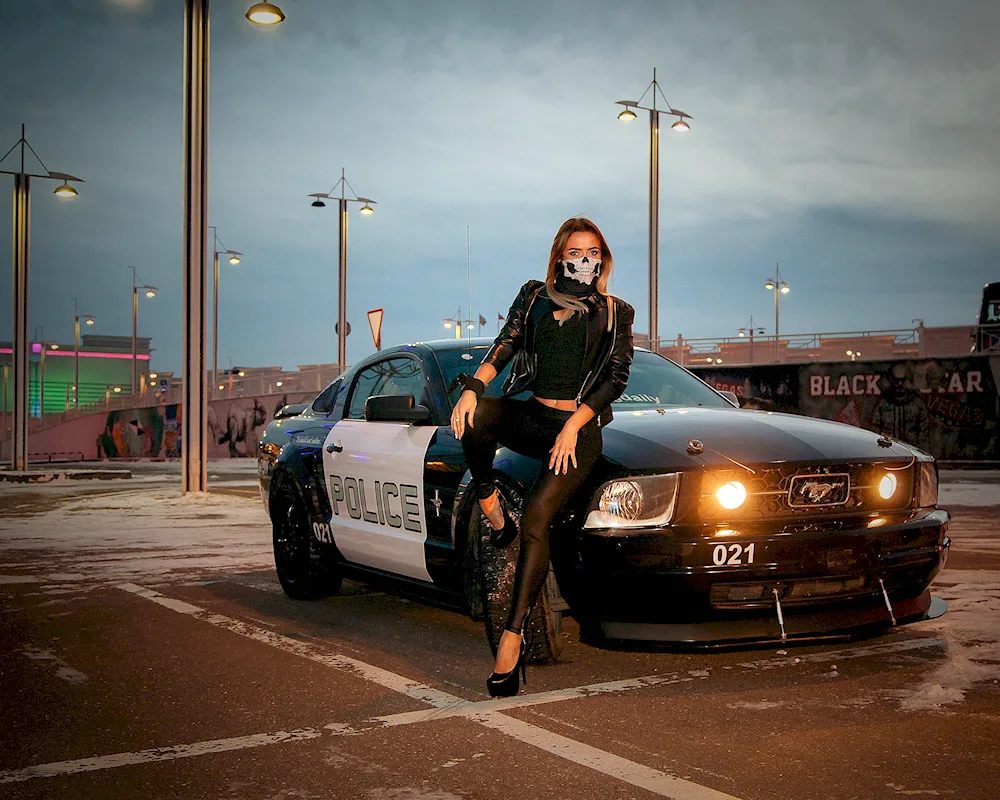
(234, 258)
(779, 287)
(366, 211)
(681, 125)
(265, 14)
(749, 330)
(150, 291)
(21, 345)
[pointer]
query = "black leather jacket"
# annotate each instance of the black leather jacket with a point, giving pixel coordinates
(606, 362)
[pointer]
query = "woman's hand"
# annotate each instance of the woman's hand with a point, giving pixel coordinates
(564, 450)
(465, 409)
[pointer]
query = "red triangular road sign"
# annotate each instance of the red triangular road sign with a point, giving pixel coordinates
(375, 321)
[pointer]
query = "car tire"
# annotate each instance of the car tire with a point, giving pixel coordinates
(543, 628)
(303, 571)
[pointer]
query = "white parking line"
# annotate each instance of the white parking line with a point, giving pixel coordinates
(486, 713)
(639, 775)
(155, 754)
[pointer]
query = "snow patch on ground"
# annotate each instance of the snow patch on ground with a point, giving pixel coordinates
(972, 632)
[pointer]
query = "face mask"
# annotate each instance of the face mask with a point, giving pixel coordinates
(584, 269)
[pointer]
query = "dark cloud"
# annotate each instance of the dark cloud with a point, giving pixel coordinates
(853, 142)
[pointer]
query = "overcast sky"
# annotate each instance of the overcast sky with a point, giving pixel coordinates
(855, 143)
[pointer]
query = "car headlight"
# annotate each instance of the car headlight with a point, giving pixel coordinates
(887, 486)
(926, 495)
(637, 502)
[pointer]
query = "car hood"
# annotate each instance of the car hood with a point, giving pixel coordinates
(656, 439)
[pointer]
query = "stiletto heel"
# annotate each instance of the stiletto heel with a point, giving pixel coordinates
(501, 537)
(505, 684)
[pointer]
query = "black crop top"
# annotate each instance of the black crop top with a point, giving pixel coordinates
(560, 350)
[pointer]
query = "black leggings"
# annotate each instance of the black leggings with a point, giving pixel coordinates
(529, 428)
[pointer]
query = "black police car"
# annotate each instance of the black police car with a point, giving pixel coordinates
(701, 524)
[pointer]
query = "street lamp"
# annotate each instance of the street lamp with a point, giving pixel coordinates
(43, 347)
(458, 321)
(680, 125)
(779, 287)
(20, 343)
(750, 330)
(234, 258)
(366, 211)
(150, 291)
(89, 320)
(265, 14)
(194, 391)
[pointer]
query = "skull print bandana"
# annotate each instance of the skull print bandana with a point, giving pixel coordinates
(579, 275)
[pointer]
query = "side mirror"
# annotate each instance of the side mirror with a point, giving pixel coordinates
(730, 396)
(395, 408)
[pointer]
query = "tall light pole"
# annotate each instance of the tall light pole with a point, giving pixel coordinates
(194, 431)
(150, 291)
(779, 287)
(89, 320)
(234, 258)
(750, 330)
(43, 346)
(681, 125)
(22, 234)
(366, 210)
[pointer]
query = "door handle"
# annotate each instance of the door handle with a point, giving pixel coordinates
(335, 448)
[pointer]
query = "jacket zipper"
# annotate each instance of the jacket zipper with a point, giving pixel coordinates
(527, 313)
(614, 333)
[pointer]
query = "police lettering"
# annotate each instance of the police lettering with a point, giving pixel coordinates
(382, 504)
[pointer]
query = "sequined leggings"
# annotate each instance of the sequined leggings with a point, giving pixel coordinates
(529, 428)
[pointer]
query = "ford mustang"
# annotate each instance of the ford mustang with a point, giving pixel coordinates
(702, 524)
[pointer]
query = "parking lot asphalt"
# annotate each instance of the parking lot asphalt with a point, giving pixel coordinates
(146, 649)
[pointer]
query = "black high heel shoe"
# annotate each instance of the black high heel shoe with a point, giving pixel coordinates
(505, 684)
(501, 537)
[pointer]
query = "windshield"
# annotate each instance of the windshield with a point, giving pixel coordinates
(653, 380)
(658, 381)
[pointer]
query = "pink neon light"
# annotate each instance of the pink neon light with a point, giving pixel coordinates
(36, 348)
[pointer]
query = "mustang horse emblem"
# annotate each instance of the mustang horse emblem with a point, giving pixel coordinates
(816, 492)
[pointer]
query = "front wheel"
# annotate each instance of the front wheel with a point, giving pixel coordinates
(496, 578)
(303, 572)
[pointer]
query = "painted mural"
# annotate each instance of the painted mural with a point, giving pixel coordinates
(234, 428)
(947, 407)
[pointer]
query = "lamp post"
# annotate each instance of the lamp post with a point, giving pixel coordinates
(43, 346)
(779, 287)
(22, 234)
(150, 292)
(680, 125)
(366, 211)
(194, 432)
(234, 258)
(458, 321)
(89, 320)
(750, 330)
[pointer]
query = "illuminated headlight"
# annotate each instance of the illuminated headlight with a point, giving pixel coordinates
(639, 502)
(731, 495)
(887, 486)
(927, 484)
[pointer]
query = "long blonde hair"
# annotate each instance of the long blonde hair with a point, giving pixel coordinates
(567, 229)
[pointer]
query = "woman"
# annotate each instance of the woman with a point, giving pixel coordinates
(571, 344)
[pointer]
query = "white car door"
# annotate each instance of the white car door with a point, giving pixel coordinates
(374, 476)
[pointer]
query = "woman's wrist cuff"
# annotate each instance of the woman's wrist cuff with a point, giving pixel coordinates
(471, 384)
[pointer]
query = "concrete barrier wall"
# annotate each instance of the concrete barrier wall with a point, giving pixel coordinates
(234, 428)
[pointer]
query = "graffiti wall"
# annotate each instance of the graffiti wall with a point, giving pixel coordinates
(234, 429)
(948, 407)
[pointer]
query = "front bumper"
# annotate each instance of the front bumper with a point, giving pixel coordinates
(699, 585)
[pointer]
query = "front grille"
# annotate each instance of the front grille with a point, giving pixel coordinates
(797, 492)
